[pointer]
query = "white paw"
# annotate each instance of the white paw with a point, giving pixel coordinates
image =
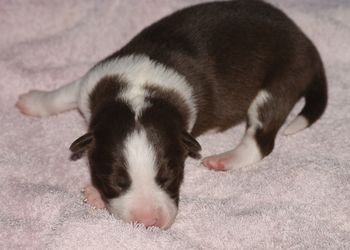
(33, 103)
(246, 153)
(93, 197)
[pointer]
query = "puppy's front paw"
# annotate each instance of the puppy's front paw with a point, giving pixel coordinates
(93, 197)
(33, 103)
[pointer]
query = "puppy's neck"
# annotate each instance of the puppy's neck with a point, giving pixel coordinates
(112, 93)
(133, 79)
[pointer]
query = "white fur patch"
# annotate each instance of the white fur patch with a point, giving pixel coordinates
(144, 191)
(212, 131)
(248, 151)
(138, 71)
(299, 123)
(136, 96)
(253, 112)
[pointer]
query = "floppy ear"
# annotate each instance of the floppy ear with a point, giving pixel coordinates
(191, 145)
(80, 145)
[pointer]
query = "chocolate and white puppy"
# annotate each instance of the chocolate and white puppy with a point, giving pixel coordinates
(203, 68)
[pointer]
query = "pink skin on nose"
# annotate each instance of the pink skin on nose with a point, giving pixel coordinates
(148, 216)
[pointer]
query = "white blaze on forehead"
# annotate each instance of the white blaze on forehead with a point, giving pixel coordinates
(141, 159)
(139, 71)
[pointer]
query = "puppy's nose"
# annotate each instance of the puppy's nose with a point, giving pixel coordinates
(148, 216)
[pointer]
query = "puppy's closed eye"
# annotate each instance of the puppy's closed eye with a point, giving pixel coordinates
(163, 180)
(112, 186)
(168, 174)
(121, 183)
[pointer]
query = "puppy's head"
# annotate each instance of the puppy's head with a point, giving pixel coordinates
(138, 163)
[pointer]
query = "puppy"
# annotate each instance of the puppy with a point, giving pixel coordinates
(203, 68)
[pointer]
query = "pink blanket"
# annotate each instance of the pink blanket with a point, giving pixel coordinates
(296, 198)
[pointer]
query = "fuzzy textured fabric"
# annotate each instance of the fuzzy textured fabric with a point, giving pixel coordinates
(296, 198)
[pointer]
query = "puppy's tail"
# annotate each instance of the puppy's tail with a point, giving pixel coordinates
(315, 103)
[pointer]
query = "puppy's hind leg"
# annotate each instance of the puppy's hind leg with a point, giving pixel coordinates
(264, 120)
(45, 103)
